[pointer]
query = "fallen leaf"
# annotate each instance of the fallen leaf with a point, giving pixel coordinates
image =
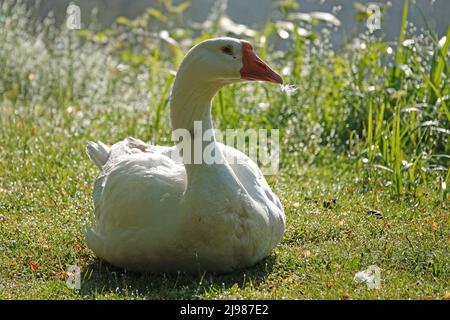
(59, 275)
(378, 189)
(34, 266)
(330, 283)
(435, 225)
(306, 253)
(42, 243)
(345, 296)
(77, 246)
(446, 295)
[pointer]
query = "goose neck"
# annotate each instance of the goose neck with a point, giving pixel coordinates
(190, 112)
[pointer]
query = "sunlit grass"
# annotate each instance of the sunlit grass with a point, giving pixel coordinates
(366, 129)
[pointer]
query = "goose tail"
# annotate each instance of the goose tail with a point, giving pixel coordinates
(98, 152)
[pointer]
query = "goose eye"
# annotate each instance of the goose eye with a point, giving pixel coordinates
(227, 50)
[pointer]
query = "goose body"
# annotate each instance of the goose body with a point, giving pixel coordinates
(155, 212)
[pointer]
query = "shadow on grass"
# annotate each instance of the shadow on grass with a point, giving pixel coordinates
(101, 278)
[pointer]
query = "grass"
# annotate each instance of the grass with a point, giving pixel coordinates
(360, 134)
(325, 244)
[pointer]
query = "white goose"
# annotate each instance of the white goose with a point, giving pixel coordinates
(157, 214)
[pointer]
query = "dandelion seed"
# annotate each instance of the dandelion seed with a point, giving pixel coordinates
(286, 70)
(263, 105)
(289, 89)
(408, 43)
(336, 9)
(406, 164)
(122, 67)
(164, 34)
(283, 34)
(371, 276)
(362, 277)
(406, 69)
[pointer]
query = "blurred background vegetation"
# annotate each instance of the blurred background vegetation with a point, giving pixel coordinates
(377, 104)
(255, 13)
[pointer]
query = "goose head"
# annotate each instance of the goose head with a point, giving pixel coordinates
(223, 61)
(206, 68)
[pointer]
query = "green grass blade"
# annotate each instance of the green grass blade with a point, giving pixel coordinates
(438, 66)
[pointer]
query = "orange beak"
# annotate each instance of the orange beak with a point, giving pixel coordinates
(254, 68)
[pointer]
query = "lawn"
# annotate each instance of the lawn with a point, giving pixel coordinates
(364, 160)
